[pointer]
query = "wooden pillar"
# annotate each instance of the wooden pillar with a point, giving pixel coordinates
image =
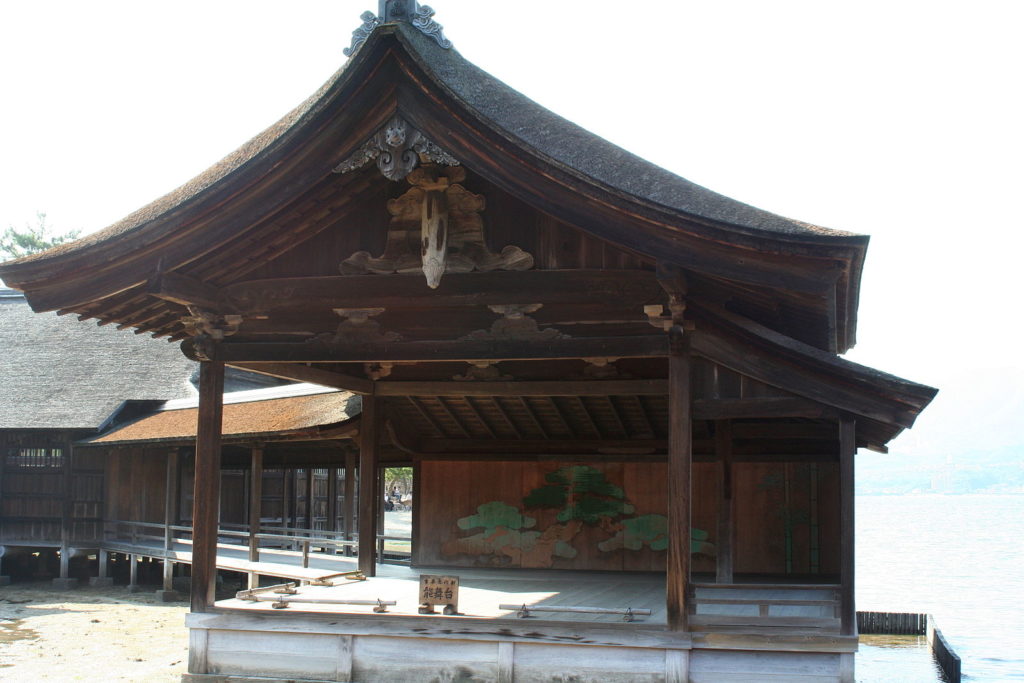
(206, 491)
(310, 496)
(255, 510)
(332, 499)
(368, 503)
(726, 533)
(172, 497)
(67, 507)
(847, 449)
(133, 572)
(680, 456)
(350, 499)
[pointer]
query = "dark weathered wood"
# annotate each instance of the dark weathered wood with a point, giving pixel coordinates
(617, 387)
(303, 373)
(677, 573)
(768, 406)
(66, 507)
(310, 497)
(455, 289)
(332, 499)
(847, 449)
(368, 453)
(507, 446)
(206, 496)
(641, 346)
(723, 453)
(185, 290)
(255, 501)
(350, 507)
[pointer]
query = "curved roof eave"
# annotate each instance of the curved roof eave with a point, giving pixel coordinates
(531, 128)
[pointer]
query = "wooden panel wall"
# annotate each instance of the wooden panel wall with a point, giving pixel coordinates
(517, 514)
(136, 480)
(787, 519)
(32, 488)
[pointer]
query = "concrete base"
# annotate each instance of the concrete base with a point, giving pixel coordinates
(102, 581)
(5, 581)
(167, 596)
(65, 584)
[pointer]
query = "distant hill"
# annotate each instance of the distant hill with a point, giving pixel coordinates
(970, 440)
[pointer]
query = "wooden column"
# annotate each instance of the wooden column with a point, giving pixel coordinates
(206, 491)
(847, 449)
(680, 456)
(332, 499)
(171, 498)
(310, 496)
(255, 509)
(66, 509)
(350, 499)
(726, 533)
(368, 502)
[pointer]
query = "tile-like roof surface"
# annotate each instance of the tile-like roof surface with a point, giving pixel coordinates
(265, 418)
(60, 373)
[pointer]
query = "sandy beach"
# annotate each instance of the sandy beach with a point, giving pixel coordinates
(90, 634)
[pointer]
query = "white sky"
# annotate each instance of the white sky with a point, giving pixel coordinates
(902, 120)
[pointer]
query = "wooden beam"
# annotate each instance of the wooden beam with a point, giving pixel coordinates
(614, 387)
(186, 291)
(368, 503)
(456, 289)
(303, 373)
(726, 533)
(735, 408)
(576, 446)
(677, 574)
(640, 346)
(206, 496)
(847, 449)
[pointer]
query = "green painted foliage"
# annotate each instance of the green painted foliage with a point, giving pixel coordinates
(494, 514)
(582, 492)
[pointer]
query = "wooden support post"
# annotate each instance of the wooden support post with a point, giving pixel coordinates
(310, 497)
(168, 575)
(255, 510)
(102, 558)
(680, 457)
(350, 499)
(206, 496)
(170, 499)
(847, 449)
(368, 502)
(66, 513)
(332, 499)
(133, 572)
(726, 533)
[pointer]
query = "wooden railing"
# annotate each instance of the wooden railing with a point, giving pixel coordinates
(268, 538)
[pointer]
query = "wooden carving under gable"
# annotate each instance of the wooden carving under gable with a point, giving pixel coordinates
(436, 228)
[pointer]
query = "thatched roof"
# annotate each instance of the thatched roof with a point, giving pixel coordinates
(59, 373)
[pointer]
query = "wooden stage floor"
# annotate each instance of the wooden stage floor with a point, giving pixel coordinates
(481, 591)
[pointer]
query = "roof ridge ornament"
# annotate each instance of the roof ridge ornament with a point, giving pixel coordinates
(411, 12)
(397, 147)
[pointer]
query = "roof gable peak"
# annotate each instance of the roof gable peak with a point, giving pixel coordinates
(410, 12)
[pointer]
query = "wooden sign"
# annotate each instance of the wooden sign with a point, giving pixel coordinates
(439, 590)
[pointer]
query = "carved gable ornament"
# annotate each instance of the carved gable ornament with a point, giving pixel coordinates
(436, 227)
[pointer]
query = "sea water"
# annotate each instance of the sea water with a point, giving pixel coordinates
(958, 557)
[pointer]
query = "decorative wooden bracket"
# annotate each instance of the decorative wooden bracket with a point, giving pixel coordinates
(398, 148)
(377, 370)
(436, 227)
(357, 328)
(214, 325)
(483, 371)
(516, 325)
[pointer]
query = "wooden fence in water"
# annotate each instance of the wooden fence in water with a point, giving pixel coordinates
(903, 623)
